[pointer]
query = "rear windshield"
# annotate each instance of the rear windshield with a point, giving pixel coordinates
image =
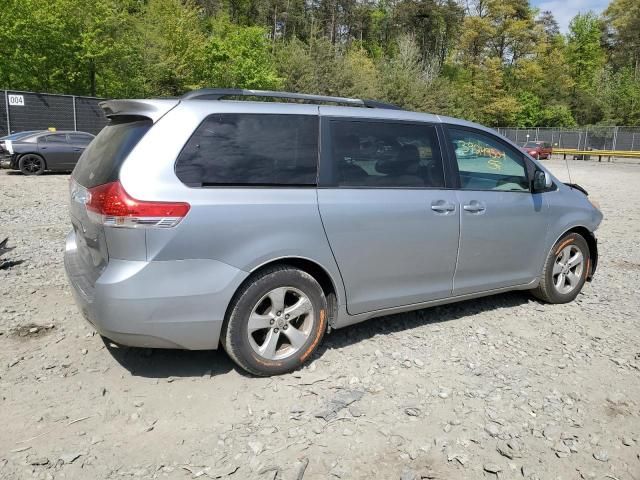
(100, 163)
(532, 144)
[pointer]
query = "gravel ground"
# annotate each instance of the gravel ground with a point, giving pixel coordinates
(502, 387)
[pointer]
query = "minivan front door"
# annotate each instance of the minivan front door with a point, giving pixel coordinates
(391, 224)
(503, 225)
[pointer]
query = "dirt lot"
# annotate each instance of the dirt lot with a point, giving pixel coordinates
(503, 387)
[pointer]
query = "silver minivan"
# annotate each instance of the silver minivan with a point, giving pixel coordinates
(225, 218)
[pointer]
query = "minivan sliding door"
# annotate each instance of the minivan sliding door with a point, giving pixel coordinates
(391, 224)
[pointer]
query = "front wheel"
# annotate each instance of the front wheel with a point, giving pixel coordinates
(276, 321)
(565, 270)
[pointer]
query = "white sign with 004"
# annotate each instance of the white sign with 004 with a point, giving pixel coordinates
(16, 100)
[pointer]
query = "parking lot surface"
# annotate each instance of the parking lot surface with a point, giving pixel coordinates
(501, 387)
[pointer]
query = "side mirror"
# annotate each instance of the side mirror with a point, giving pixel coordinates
(541, 181)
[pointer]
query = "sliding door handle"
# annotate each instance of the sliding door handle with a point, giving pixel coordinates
(474, 207)
(440, 206)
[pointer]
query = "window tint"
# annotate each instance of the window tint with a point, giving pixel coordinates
(251, 149)
(383, 154)
(79, 139)
(100, 163)
(59, 138)
(486, 163)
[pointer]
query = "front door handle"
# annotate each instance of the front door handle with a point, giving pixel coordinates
(440, 206)
(474, 207)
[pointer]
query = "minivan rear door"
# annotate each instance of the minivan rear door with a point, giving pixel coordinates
(391, 223)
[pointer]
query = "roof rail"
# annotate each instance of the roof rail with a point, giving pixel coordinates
(219, 93)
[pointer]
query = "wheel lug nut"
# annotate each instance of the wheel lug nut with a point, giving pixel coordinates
(272, 321)
(278, 313)
(286, 317)
(275, 330)
(285, 327)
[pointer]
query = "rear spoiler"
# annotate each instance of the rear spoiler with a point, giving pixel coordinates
(153, 109)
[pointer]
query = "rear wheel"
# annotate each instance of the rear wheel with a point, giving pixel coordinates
(31, 164)
(276, 321)
(565, 270)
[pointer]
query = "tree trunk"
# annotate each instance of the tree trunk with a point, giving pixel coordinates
(92, 78)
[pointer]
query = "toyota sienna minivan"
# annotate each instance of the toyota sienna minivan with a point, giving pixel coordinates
(224, 218)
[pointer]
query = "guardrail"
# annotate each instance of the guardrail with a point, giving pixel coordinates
(599, 153)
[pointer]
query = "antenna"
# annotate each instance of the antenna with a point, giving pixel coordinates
(566, 161)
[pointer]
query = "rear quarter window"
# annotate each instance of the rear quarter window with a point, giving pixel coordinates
(251, 150)
(54, 139)
(101, 161)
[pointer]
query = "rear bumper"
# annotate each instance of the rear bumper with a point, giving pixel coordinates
(168, 304)
(5, 160)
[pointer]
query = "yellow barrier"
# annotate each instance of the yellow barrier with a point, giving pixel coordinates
(598, 153)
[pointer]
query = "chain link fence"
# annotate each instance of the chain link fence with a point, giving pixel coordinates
(39, 111)
(586, 138)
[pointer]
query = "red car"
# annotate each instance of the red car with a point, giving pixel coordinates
(539, 150)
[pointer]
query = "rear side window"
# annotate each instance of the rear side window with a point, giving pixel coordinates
(78, 139)
(378, 154)
(100, 163)
(251, 150)
(55, 139)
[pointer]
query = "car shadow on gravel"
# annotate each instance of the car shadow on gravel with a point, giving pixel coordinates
(43, 174)
(417, 318)
(168, 364)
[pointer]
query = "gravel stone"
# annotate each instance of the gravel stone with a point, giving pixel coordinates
(601, 455)
(514, 383)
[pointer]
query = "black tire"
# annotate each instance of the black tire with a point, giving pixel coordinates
(235, 333)
(31, 164)
(547, 290)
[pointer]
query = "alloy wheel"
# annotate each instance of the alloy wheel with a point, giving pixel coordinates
(31, 164)
(568, 269)
(280, 323)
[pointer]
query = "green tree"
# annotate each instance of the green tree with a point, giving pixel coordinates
(623, 21)
(584, 51)
(556, 116)
(239, 57)
(69, 46)
(585, 57)
(620, 92)
(172, 44)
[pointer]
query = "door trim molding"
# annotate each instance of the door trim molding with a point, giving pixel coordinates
(345, 319)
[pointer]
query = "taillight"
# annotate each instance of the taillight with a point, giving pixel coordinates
(111, 205)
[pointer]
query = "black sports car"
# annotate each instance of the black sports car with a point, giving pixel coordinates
(56, 151)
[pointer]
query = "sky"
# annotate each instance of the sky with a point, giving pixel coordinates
(565, 10)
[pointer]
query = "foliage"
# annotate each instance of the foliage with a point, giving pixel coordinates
(239, 57)
(498, 62)
(623, 29)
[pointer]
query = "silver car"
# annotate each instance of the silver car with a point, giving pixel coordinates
(259, 226)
